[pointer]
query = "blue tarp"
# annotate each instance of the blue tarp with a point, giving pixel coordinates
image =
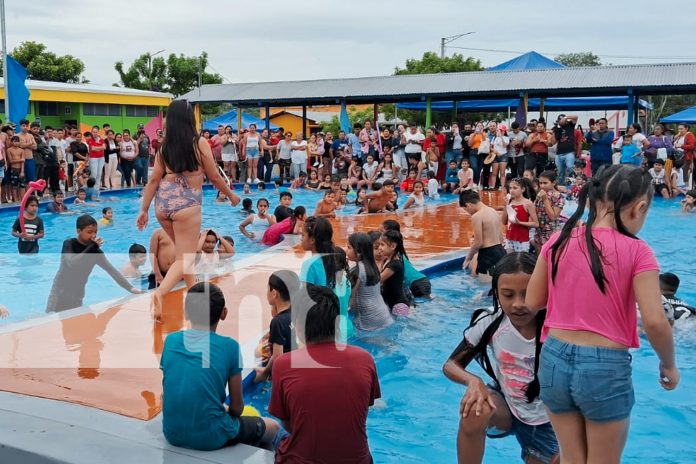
(230, 119)
(550, 104)
(530, 60)
(688, 115)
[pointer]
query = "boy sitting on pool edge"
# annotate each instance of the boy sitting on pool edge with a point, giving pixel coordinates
(197, 365)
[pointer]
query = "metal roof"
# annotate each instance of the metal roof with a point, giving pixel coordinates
(644, 79)
(89, 88)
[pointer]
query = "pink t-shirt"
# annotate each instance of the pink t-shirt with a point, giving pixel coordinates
(575, 302)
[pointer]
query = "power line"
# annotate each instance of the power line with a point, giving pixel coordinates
(219, 73)
(601, 56)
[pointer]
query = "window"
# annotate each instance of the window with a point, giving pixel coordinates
(101, 109)
(48, 108)
(141, 111)
(2, 108)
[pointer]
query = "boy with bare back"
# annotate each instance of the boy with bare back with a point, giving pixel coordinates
(15, 158)
(162, 255)
(375, 202)
(487, 233)
(327, 206)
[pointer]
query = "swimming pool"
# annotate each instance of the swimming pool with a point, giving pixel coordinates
(417, 420)
(27, 280)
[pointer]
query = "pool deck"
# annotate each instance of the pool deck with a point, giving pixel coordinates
(107, 358)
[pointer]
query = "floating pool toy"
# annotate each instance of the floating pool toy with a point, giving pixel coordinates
(250, 411)
(34, 186)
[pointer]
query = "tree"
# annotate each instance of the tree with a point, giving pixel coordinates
(578, 59)
(431, 63)
(144, 73)
(43, 65)
(177, 75)
(183, 73)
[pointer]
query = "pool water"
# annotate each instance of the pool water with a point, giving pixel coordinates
(416, 421)
(26, 280)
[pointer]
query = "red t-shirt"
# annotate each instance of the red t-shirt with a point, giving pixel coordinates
(326, 407)
(407, 185)
(91, 143)
(216, 147)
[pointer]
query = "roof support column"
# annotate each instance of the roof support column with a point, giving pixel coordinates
(197, 115)
(267, 117)
(375, 113)
(455, 107)
(631, 117)
(524, 102)
(239, 120)
(428, 112)
(304, 120)
(542, 103)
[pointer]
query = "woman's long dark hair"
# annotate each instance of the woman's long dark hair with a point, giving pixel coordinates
(396, 238)
(362, 244)
(297, 213)
(179, 149)
(319, 229)
(617, 186)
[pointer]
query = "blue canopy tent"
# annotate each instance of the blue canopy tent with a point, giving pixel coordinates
(530, 60)
(230, 119)
(688, 116)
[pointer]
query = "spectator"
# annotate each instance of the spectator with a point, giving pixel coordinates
(600, 137)
(659, 145)
(321, 425)
(564, 134)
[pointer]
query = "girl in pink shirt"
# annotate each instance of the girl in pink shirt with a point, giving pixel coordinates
(590, 278)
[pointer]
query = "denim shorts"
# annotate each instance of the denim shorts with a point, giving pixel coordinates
(253, 153)
(537, 441)
(591, 380)
(502, 158)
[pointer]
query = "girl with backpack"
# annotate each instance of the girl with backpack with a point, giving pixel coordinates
(589, 278)
(510, 405)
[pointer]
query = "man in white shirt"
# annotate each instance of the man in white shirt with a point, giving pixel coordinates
(414, 142)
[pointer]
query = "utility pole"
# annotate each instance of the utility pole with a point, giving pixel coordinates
(4, 60)
(149, 68)
(200, 74)
(452, 38)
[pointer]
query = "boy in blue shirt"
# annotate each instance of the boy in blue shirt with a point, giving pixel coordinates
(452, 177)
(630, 153)
(197, 365)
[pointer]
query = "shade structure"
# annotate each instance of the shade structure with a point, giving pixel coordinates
(529, 60)
(230, 119)
(688, 115)
(550, 104)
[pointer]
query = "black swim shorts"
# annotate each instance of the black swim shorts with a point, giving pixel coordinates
(489, 257)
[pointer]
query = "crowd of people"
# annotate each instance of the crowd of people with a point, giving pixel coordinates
(541, 297)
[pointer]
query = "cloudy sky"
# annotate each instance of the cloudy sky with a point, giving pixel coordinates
(312, 39)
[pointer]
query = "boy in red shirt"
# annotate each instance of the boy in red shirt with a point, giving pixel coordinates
(322, 426)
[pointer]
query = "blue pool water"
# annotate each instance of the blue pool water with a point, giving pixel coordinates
(417, 420)
(26, 280)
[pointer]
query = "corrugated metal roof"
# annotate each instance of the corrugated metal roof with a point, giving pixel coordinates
(580, 81)
(89, 88)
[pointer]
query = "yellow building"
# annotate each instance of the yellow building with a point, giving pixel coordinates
(84, 105)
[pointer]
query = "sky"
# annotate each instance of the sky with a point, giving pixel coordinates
(313, 39)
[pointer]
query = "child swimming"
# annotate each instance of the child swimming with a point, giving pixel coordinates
(511, 403)
(585, 371)
(391, 247)
(372, 313)
(254, 225)
(417, 198)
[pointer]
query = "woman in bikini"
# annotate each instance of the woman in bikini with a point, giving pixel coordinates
(176, 184)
